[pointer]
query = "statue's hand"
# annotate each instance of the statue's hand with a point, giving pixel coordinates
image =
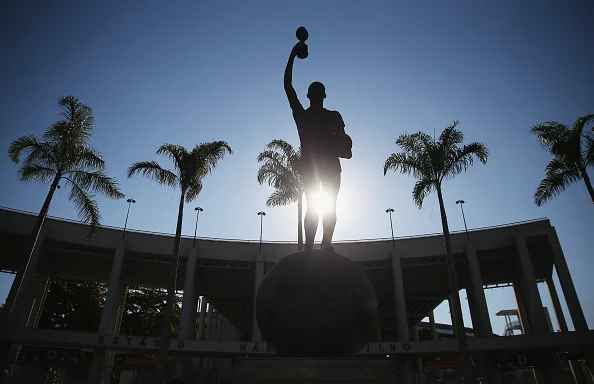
(300, 50)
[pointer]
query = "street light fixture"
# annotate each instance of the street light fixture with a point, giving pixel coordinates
(461, 202)
(261, 214)
(198, 210)
(389, 211)
(130, 202)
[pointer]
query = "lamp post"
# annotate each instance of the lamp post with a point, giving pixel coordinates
(261, 214)
(389, 211)
(198, 210)
(130, 202)
(461, 202)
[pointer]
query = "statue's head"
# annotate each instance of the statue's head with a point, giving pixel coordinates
(316, 92)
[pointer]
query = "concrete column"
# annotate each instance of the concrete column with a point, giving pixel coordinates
(491, 374)
(116, 323)
(19, 302)
(34, 314)
(120, 308)
(109, 313)
(560, 319)
(399, 301)
(451, 307)
(222, 328)
(209, 333)
(227, 331)
(209, 324)
(474, 315)
(573, 303)
(199, 326)
(201, 319)
(186, 325)
(406, 372)
(532, 300)
(571, 298)
(21, 299)
(215, 325)
(487, 365)
(432, 325)
(195, 315)
(419, 361)
(521, 310)
(115, 278)
(478, 294)
(30, 318)
(219, 329)
(259, 275)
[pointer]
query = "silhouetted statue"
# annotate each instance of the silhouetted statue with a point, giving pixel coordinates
(323, 141)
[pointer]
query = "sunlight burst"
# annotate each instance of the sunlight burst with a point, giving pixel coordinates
(321, 202)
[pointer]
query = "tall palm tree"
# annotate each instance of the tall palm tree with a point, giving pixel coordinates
(573, 152)
(189, 169)
(431, 162)
(280, 169)
(63, 154)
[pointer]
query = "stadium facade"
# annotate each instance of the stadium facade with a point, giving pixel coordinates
(219, 341)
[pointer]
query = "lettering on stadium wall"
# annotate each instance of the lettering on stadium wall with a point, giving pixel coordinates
(152, 343)
(373, 348)
(139, 342)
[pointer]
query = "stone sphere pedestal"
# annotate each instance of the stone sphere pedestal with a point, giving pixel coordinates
(316, 304)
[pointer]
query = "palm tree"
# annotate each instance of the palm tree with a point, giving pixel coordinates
(189, 169)
(432, 162)
(63, 154)
(280, 169)
(573, 152)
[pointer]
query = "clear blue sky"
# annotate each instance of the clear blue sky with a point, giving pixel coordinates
(190, 72)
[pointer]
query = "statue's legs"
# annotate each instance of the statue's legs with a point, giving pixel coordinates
(320, 175)
(330, 186)
(312, 217)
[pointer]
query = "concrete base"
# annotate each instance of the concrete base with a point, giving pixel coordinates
(308, 370)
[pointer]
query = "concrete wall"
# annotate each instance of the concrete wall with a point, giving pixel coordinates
(361, 250)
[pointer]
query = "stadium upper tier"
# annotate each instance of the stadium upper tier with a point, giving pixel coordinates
(225, 272)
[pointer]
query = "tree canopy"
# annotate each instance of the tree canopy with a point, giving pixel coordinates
(64, 154)
(573, 153)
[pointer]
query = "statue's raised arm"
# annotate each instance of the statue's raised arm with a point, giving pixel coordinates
(300, 51)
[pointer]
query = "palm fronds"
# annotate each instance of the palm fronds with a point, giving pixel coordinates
(430, 161)
(573, 152)
(65, 152)
(153, 171)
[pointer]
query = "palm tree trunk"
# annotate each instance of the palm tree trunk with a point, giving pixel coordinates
(300, 222)
(12, 314)
(168, 315)
(588, 183)
(457, 315)
(30, 265)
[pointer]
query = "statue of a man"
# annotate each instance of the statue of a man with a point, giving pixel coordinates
(320, 131)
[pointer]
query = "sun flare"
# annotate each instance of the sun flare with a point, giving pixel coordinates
(321, 202)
